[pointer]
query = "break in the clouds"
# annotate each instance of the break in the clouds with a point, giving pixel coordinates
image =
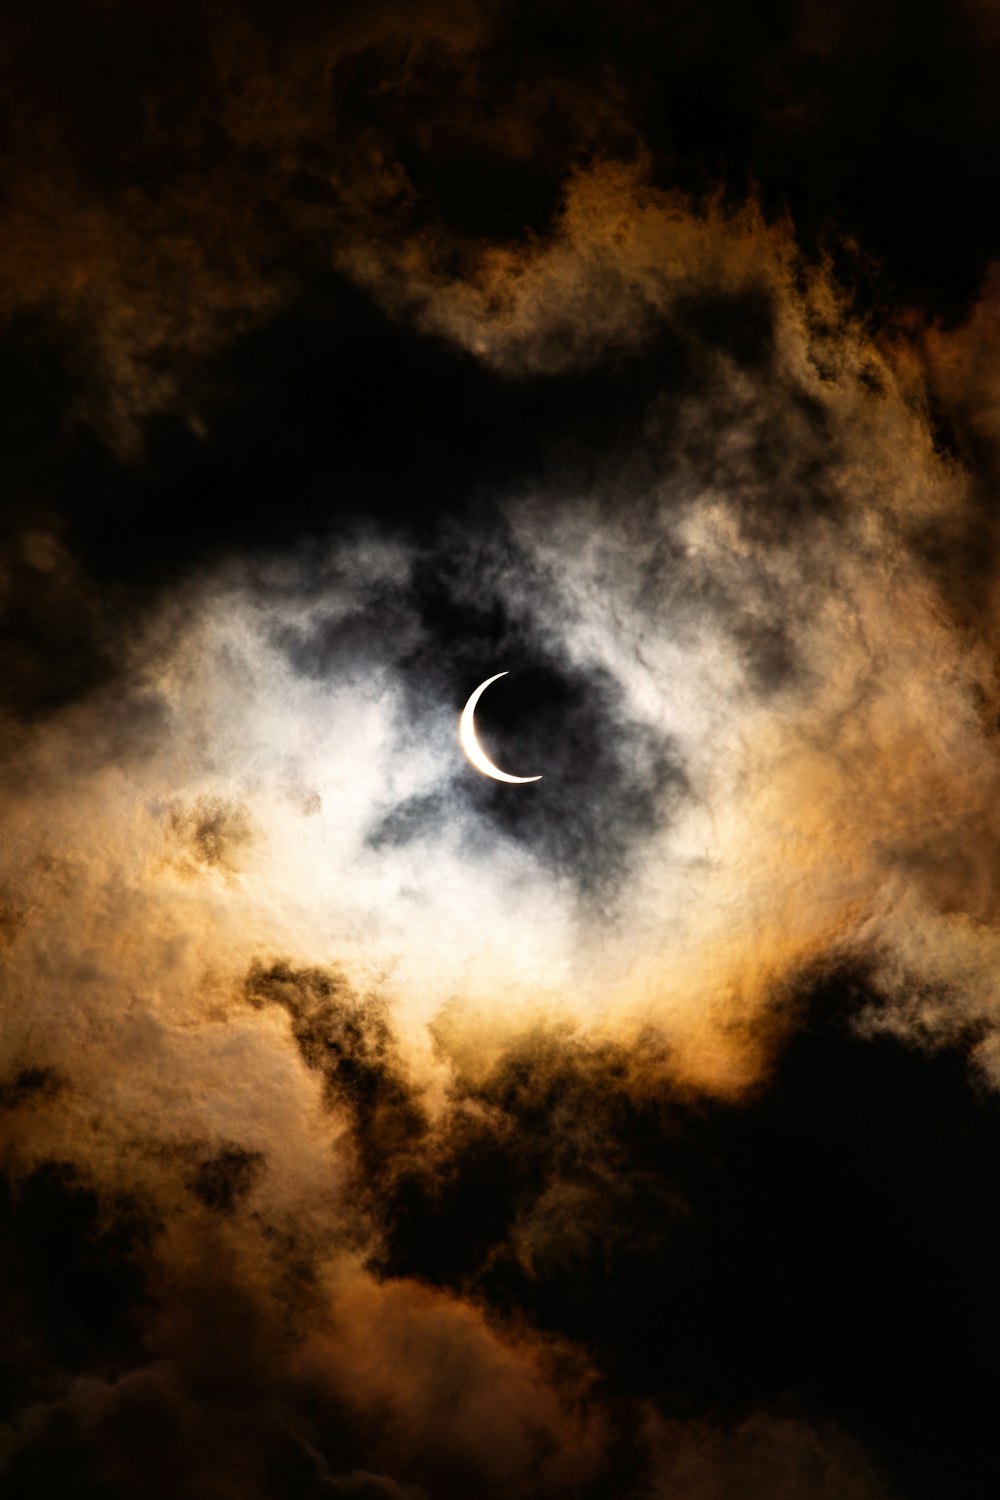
(373, 1129)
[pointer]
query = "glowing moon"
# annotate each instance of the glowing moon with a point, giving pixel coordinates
(472, 747)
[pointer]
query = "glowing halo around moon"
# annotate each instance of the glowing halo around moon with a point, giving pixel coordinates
(471, 745)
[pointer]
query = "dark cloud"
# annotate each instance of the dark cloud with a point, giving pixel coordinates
(472, 118)
(813, 1253)
(325, 407)
(212, 834)
(330, 418)
(226, 1176)
(75, 1276)
(27, 1084)
(822, 1247)
(348, 1040)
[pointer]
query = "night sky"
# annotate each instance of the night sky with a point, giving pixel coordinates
(374, 1130)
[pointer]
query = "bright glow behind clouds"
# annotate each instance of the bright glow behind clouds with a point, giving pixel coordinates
(245, 831)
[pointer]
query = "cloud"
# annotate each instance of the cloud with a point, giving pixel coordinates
(504, 1297)
(761, 1457)
(366, 1130)
(468, 168)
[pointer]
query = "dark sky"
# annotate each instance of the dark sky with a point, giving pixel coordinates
(369, 1128)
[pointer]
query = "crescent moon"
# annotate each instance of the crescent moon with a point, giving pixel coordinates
(472, 747)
